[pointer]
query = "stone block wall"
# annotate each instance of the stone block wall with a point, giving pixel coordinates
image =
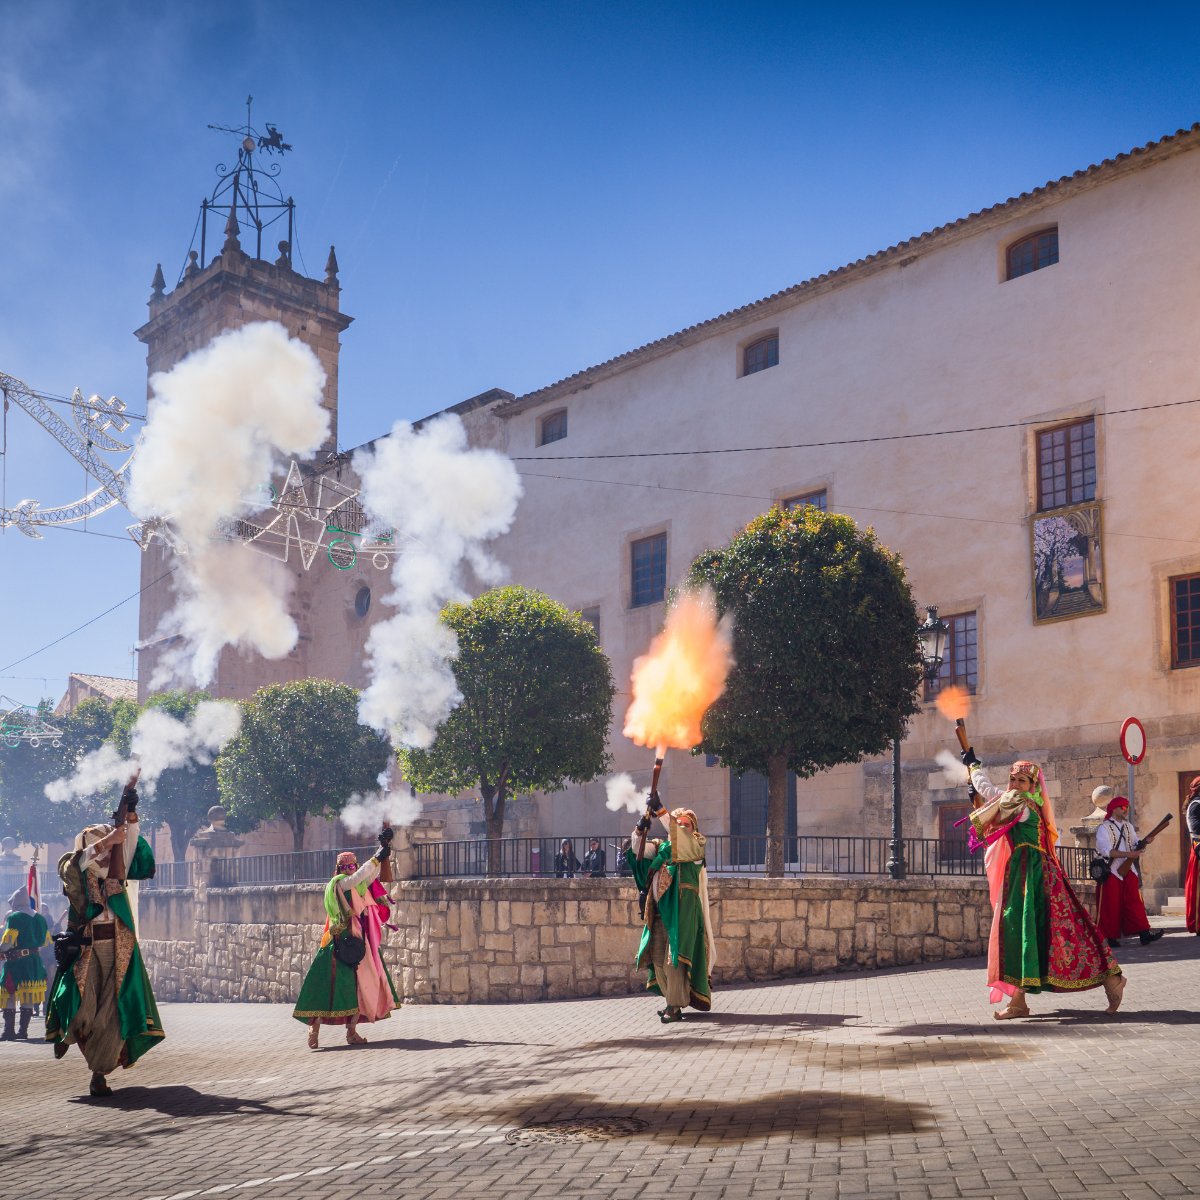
(507, 940)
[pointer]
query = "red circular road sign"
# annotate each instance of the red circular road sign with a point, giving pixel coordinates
(1133, 741)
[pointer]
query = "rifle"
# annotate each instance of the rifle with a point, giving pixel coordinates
(652, 803)
(385, 867)
(129, 798)
(1125, 862)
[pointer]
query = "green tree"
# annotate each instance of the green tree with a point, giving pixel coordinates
(826, 649)
(301, 752)
(183, 795)
(537, 697)
(25, 770)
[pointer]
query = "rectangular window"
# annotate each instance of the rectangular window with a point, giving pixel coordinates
(960, 658)
(553, 428)
(760, 355)
(1185, 621)
(816, 499)
(648, 561)
(1066, 464)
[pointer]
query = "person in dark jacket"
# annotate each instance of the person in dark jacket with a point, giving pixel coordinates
(565, 862)
(594, 862)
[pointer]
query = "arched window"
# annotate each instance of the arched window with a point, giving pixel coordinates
(1032, 253)
(553, 427)
(761, 354)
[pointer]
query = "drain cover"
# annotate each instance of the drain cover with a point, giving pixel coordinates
(599, 1129)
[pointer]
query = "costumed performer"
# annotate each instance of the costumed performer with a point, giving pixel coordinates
(1042, 939)
(1191, 882)
(101, 998)
(1119, 905)
(22, 972)
(677, 948)
(348, 981)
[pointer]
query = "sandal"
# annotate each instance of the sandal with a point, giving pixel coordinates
(1114, 989)
(313, 1034)
(1013, 1010)
(353, 1038)
(669, 1017)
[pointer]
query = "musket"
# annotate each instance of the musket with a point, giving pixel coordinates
(652, 807)
(116, 856)
(1125, 862)
(385, 867)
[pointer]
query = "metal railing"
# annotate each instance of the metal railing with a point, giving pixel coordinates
(170, 877)
(725, 854)
(305, 866)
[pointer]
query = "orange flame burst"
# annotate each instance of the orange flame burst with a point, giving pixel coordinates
(683, 673)
(954, 702)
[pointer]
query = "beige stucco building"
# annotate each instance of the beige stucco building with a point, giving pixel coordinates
(1027, 373)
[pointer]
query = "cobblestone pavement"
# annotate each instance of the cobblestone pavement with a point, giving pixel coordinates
(893, 1084)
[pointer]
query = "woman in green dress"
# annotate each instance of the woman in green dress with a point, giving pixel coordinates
(335, 992)
(676, 949)
(1042, 939)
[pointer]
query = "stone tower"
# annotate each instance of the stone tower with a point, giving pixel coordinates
(237, 287)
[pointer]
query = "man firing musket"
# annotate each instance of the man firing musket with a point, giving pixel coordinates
(102, 987)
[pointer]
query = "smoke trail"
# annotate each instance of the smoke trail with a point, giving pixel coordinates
(368, 813)
(625, 795)
(954, 774)
(221, 422)
(444, 501)
(160, 742)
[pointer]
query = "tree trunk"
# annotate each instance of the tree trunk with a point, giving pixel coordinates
(493, 815)
(297, 820)
(776, 813)
(180, 841)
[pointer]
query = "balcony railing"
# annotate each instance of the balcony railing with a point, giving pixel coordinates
(305, 866)
(170, 877)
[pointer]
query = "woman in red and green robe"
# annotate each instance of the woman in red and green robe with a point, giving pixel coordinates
(334, 993)
(1042, 939)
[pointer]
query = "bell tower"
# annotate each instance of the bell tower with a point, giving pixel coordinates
(236, 286)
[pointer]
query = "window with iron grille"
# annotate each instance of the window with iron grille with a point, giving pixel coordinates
(1032, 253)
(760, 355)
(1066, 464)
(553, 427)
(1185, 621)
(960, 657)
(648, 563)
(816, 499)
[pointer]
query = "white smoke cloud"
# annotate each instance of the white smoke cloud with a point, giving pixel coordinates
(445, 501)
(363, 814)
(221, 423)
(954, 774)
(160, 742)
(625, 795)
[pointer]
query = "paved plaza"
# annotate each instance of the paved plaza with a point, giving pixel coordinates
(891, 1084)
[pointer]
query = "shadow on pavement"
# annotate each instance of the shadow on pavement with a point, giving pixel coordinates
(820, 1115)
(798, 1020)
(421, 1044)
(177, 1100)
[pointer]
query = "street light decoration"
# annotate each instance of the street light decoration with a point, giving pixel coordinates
(933, 632)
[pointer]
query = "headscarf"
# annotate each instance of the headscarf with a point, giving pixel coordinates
(1115, 802)
(88, 836)
(1024, 766)
(347, 862)
(679, 815)
(1193, 788)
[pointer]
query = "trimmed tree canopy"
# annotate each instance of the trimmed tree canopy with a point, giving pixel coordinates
(537, 696)
(301, 752)
(825, 641)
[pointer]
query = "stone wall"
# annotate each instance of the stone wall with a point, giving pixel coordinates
(498, 940)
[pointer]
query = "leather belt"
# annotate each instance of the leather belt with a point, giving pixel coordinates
(104, 931)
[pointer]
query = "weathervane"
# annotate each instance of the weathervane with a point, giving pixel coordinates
(246, 194)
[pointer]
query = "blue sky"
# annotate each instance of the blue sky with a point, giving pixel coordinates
(516, 191)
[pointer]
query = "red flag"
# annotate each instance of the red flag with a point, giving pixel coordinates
(31, 887)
